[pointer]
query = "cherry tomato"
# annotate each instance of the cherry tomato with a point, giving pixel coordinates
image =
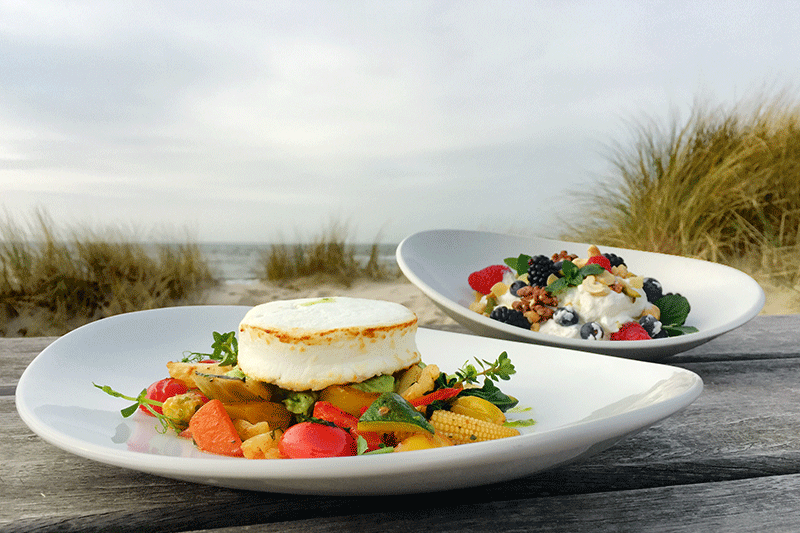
(330, 413)
(161, 390)
(308, 440)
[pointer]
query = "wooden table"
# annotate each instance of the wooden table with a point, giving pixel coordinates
(730, 462)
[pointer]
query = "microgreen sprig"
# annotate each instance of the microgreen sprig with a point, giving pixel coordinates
(225, 350)
(141, 400)
(497, 370)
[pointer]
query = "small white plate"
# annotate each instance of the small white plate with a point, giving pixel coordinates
(440, 261)
(583, 403)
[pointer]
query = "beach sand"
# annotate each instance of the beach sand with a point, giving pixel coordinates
(779, 301)
(400, 291)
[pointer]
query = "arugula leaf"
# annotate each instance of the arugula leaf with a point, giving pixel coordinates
(362, 448)
(490, 392)
(573, 276)
(519, 264)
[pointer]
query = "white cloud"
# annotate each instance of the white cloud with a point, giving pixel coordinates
(406, 115)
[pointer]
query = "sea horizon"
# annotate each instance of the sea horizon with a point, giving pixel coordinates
(238, 262)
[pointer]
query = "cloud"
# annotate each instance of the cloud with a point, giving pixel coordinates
(405, 115)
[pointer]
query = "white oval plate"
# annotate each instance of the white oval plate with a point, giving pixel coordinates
(583, 403)
(440, 261)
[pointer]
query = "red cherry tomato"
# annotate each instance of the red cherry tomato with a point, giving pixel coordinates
(309, 440)
(330, 413)
(161, 390)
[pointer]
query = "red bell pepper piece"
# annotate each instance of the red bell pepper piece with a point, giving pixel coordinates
(441, 394)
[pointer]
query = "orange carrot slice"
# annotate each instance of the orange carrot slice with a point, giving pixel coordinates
(213, 431)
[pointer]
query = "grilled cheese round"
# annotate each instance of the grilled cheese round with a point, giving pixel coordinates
(311, 343)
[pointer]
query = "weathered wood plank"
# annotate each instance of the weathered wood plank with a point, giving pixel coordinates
(732, 432)
(759, 504)
(15, 356)
(764, 337)
(762, 504)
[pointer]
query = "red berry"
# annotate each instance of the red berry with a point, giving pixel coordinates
(483, 280)
(630, 331)
(600, 260)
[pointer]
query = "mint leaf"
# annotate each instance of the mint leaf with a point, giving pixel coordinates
(561, 284)
(674, 331)
(518, 264)
(573, 276)
(674, 309)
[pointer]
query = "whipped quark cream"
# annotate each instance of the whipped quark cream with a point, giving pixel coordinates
(610, 311)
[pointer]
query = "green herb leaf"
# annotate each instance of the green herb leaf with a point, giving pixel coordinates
(499, 369)
(674, 331)
(573, 276)
(518, 264)
(143, 400)
(528, 422)
(225, 350)
(490, 392)
(674, 309)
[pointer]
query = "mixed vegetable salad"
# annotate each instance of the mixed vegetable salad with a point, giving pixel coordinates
(208, 399)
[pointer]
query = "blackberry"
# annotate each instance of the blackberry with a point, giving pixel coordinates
(510, 316)
(539, 269)
(652, 326)
(566, 316)
(652, 288)
(517, 285)
(615, 260)
(592, 331)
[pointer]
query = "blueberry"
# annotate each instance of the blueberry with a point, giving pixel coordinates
(592, 331)
(614, 259)
(510, 316)
(566, 316)
(517, 285)
(652, 326)
(652, 288)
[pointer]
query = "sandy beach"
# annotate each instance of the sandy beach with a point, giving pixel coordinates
(400, 291)
(779, 300)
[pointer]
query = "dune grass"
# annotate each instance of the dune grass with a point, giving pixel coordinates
(52, 282)
(329, 257)
(724, 186)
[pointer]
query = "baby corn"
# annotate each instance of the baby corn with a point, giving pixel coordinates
(462, 429)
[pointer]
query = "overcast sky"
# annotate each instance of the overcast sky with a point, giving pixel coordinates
(251, 121)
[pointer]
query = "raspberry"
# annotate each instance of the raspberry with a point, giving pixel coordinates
(600, 260)
(630, 331)
(483, 280)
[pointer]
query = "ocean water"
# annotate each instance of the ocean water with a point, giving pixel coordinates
(241, 262)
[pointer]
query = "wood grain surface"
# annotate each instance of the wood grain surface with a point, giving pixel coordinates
(729, 462)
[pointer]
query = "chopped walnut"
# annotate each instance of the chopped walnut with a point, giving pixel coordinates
(534, 302)
(617, 287)
(563, 256)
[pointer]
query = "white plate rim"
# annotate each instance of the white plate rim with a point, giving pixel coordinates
(359, 476)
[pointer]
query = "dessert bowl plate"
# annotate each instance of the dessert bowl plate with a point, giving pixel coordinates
(440, 261)
(582, 404)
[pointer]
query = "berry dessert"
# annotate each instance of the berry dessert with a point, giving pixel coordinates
(593, 298)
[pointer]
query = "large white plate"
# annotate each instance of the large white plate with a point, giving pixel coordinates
(439, 262)
(583, 403)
